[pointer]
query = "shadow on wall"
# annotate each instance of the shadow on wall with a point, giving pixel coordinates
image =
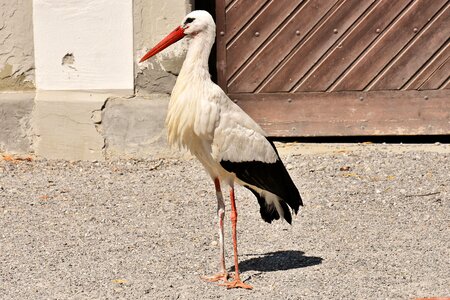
(209, 6)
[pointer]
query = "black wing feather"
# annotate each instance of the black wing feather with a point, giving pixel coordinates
(272, 177)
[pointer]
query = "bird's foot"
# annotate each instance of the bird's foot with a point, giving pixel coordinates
(217, 277)
(236, 283)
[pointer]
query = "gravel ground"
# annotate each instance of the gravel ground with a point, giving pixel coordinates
(375, 225)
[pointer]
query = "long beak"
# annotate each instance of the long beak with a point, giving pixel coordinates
(171, 38)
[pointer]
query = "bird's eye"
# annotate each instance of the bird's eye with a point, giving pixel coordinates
(189, 20)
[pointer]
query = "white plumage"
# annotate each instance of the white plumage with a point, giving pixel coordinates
(229, 144)
(201, 116)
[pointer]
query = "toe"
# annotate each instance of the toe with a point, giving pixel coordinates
(237, 284)
(218, 277)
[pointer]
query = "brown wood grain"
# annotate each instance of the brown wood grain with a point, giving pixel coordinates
(446, 84)
(388, 45)
(268, 57)
(221, 44)
(428, 69)
(311, 83)
(416, 54)
(304, 58)
(350, 113)
(226, 3)
(438, 78)
(256, 33)
(351, 46)
(239, 14)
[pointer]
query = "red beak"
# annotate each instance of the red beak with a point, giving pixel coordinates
(171, 38)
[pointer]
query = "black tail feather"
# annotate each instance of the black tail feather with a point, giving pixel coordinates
(269, 212)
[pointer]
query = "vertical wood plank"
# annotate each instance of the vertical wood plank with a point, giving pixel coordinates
(221, 44)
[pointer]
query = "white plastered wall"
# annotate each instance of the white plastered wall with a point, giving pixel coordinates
(83, 44)
(85, 55)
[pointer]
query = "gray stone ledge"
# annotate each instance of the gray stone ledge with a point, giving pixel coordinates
(134, 128)
(76, 125)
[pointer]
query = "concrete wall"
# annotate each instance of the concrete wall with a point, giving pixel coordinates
(83, 123)
(134, 128)
(153, 20)
(16, 45)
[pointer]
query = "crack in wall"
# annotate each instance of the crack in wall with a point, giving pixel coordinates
(97, 118)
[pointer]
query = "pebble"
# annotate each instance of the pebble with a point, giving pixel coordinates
(95, 228)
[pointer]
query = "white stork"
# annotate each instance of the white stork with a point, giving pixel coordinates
(229, 144)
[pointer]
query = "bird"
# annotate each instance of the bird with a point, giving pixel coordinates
(230, 145)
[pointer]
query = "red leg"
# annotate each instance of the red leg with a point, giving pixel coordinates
(223, 274)
(237, 282)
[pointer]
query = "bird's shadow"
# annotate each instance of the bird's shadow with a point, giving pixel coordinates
(278, 261)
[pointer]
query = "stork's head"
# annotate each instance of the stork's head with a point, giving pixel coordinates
(193, 24)
(198, 21)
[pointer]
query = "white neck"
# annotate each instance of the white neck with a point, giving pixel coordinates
(189, 88)
(196, 62)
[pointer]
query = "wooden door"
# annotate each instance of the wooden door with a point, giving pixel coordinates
(337, 67)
